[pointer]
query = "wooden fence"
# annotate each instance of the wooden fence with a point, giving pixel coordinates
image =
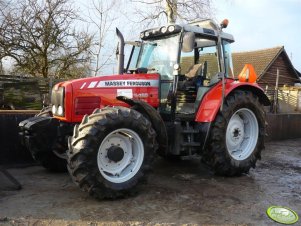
(22, 93)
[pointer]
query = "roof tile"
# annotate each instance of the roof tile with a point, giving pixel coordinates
(260, 59)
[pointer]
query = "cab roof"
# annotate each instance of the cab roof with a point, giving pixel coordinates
(200, 28)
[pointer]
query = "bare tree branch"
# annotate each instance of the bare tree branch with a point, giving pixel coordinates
(151, 11)
(102, 17)
(41, 38)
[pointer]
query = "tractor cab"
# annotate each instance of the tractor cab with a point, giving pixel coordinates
(190, 59)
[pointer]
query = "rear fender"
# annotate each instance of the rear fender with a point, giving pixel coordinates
(212, 100)
(154, 117)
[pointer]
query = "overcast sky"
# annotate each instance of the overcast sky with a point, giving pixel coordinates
(259, 24)
(255, 24)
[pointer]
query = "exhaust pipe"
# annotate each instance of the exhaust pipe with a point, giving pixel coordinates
(120, 52)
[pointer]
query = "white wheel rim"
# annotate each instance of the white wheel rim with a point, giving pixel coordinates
(242, 134)
(133, 155)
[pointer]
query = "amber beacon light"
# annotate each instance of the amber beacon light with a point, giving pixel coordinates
(224, 23)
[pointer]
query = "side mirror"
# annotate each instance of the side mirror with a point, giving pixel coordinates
(188, 42)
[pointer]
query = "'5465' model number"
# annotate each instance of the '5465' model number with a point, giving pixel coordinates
(141, 95)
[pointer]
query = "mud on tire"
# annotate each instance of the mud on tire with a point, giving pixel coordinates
(87, 152)
(242, 106)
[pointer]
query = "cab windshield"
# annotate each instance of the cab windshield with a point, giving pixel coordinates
(160, 55)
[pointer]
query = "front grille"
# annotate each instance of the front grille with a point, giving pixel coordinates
(86, 105)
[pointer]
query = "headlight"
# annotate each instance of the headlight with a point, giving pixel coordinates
(58, 100)
(142, 35)
(163, 29)
(171, 28)
(53, 109)
(146, 34)
(60, 110)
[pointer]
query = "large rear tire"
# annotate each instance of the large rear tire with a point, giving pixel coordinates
(111, 151)
(237, 135)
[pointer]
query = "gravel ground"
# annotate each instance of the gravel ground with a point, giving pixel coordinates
(177, 193)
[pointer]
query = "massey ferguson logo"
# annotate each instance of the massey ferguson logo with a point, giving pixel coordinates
(121, 83)
(127, 83)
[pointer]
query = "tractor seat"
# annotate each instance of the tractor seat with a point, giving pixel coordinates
(188, 81)
(187, 90)
(194, 71)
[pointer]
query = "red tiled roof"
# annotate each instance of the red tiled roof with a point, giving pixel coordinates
(260, 59)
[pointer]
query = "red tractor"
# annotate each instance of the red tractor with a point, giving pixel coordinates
(176, 96)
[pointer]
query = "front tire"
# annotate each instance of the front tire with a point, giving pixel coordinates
(111, 151)
(237, 135)
(43, 144)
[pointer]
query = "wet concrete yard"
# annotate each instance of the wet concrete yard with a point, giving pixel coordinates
(177, 193)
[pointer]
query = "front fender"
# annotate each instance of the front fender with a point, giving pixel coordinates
(212, 100)
(43, 127)
(154, 117)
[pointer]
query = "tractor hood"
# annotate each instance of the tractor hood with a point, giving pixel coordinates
(73, 99)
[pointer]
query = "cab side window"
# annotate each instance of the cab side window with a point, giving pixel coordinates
(186, 62)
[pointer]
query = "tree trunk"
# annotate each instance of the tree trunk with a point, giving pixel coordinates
(45, 65)
(171, 10)
(1, 67)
